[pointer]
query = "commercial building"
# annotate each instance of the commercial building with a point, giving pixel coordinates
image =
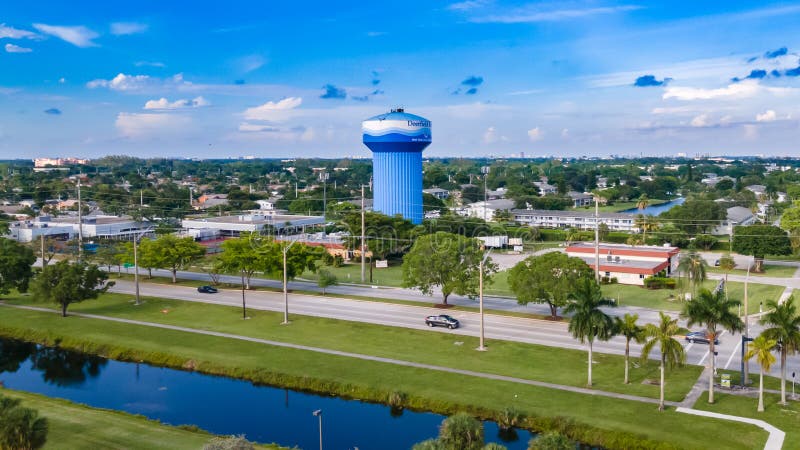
(439, 193)
(255, 222)
(67, 227)
(629, 264)
(583, 220)
(397, 140)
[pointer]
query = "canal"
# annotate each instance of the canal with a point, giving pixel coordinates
(654, 210)
(223, 405)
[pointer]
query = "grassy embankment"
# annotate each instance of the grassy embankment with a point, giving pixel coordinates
(75, 426)
(425, 389)
(770, 270)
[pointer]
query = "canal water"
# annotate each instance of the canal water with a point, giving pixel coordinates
(655, 210)
(223, 405)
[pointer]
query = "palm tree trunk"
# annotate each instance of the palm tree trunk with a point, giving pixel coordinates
(761, 391)
(711, 372)
(590, 364)
(783, 375)
(627, 353)
(661, 395)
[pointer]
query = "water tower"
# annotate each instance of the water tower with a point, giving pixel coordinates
(397, 140)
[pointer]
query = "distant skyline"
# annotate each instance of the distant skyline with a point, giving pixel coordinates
(279, 80)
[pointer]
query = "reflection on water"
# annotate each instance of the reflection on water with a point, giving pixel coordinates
(223, 405)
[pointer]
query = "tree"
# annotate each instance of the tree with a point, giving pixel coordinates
(229, 443)
(325, 279)
(551, 441)
(65, 283)
(448, 261)
(21, 428)
(727, 263)
(784, 327)
(242, 255)
(384, 235)
(16, 263)
(108, 255)
(461, 432)
(759, 241)
(695, 216)
(642, 202)
(602, 231)
(646, 223)
(548, 278)
(588, 322)
(631, 331)
(148, 255)
(176, 253)
(761, 348)
(715, 312)
(672, 353)
(705, 241)
(693, 266)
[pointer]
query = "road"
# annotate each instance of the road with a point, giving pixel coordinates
(541, 332)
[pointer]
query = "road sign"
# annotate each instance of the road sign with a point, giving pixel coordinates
(127, 265)
(726, 380)
(381, 264)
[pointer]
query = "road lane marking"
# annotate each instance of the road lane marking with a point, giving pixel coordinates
(733, 353)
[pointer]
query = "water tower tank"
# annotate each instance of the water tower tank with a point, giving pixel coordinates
(397, 140)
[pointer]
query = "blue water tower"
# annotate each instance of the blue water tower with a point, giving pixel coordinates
(397, 140)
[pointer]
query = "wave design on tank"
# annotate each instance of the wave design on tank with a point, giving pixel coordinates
(398, 138)
(403, 131)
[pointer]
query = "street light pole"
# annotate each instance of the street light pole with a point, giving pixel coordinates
(746, 368)
(285, 284)
(481, 267)
(136, 263)
(318, 413)
(363, 245)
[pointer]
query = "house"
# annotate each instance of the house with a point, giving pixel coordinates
(580, 200)
(207, 201)
(629, 264)
(711, 179)
(602, 182)
(268, 204)
(486, 210)
(759, 189)
(545, 188)
(439, 193)
(583, 220)
(735, 216)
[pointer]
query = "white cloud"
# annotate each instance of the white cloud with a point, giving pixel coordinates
(14, 33)
(376, 33)
(274, 111)
(11, 48)
(490, 136)
(467, 5)
(260, 132)
(79, 36)
(121, 82)
(248, 127)
(700, 121)
(125, 28)
(250, 63)
(163, 103)
(745, 89)
(565, 133)
(535, 13)
(62, 80)
(535, 134)
(768, 116)
(149, 64)
(146, 124)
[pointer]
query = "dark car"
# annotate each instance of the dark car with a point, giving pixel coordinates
(700, 337)
(207, 290)
(442, 320)
(716, 263)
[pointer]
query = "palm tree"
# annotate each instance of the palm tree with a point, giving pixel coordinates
(727, 264)
(694, 267)
(627, 327)
(761, 348)
(715, 312)
(785, 330)
(650, 223)
(588, 322)
(642, 202)
(663, 336)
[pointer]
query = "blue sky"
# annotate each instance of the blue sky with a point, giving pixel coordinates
(280, 79)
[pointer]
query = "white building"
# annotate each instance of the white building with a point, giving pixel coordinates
(735, 216)
(629, 264)
(486, 210)
(580, 200)
(583, 220)
(545, 188)
(255, 222)
(439, 193)
(67, 227)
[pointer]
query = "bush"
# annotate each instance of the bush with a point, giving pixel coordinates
(229, 443)
(551, 441)
(609, 280)
(21, 428)
(660, 283)
(552, 235)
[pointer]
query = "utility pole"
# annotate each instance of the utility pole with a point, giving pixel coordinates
(80, 222)
(318, 413)
(481, 346)
(141, 199)
(285, 284)
(485, 172)
(597, 240)
(323, 176)
(363, 246)
(44, 261)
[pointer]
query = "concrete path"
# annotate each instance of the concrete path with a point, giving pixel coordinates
(700, 386)
(398, 362)
(776, 436)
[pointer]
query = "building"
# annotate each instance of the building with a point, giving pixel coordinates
(254, 222)
(759, 189)
(735, 216)
(397, 140)
(583, 220)
(486, 210)
(57, 162)
(29, 230)
(579, 200)
(439, 193)
(629, 264)
(98, 226)
(545, 188)
(207, 201)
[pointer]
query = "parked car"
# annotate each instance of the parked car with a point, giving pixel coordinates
(700, 337)
(207, 290)
(716, 263)
(442, 320)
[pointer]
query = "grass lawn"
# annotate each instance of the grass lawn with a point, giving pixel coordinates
(424, 387)
(549, 364)
(770, 270)
(784, 417)
(660, 298)
(75, 426)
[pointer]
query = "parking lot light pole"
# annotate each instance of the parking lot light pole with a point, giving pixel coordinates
(135, 262)
(481, 267)
(318, 413)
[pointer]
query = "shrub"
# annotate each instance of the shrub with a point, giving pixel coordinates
(508, 418)
(659, 283)
(229, 443)
(551, 441)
